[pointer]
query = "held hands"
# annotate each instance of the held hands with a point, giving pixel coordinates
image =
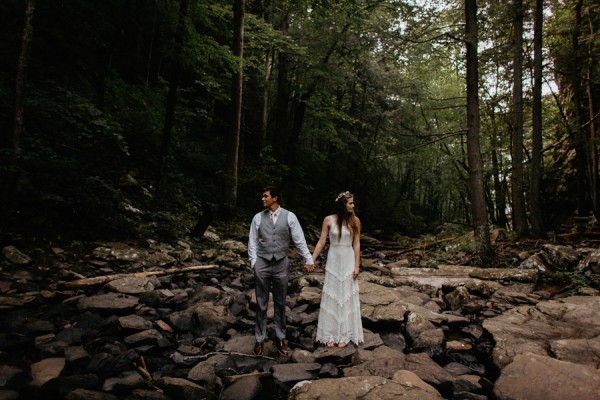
(309, 268)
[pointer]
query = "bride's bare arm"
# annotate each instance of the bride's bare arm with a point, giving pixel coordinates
(322, 238)
(356, 247)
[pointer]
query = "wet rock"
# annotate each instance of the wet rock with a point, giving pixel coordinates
(560, 257)
(76, 356)
(9, 375)
(539, 377)
(590, 262)
(457, 298)
(86, 394)
(46, 370)
(248, 388)
(15, 256)
(72, 382)
(290, 374)
(210, 319)
(9, 395)
(127, 382)
(204, 374)
(134, 322)
(534, 262)
(359, 387)
(429, 371)
(132, 285)
(329, 370)
(109, 303)
(184, 389)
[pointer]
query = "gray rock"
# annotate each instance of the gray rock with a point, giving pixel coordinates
(295, 372)
(184, 389)
(535, 328)
(8, 374)
(109, 302)
(131, 285)
(247, 388)
(359, 387)
(134, 322)
(538, 377)
(15, 256)
(86, 394)
(46, 370)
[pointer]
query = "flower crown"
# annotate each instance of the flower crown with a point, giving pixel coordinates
(344, 194)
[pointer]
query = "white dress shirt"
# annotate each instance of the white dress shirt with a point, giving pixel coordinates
(297, 236)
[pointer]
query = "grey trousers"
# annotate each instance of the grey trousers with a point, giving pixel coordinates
(270, 276)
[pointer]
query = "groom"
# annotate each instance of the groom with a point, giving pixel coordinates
(270, 234)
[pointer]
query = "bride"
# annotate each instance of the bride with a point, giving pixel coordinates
(339, 317)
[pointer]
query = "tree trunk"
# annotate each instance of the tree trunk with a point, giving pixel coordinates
(26, 38)
(281, 126)
(233, 139)
(535, 202)
(519, 215)
(483, 247)
(500, 194)
(592, 124)
(171, 101)
(265, 106)
(580, 137)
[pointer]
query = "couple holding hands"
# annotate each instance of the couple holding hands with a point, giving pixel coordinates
(271, 232)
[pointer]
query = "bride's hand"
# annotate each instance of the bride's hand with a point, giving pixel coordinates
(355, 273)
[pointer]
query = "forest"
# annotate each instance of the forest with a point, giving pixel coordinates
(124, 119)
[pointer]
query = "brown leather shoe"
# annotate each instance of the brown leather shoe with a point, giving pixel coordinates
(258, 348)
(282, 347)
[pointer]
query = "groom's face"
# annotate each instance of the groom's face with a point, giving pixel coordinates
(268, 200)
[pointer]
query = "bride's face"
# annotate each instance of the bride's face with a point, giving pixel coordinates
(350, 205)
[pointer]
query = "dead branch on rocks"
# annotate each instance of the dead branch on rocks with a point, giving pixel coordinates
(235, 378)
(234, 353)
(99, 280)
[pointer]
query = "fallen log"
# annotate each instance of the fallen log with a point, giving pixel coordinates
(99, 280)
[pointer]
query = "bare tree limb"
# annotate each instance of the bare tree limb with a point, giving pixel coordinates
(99, 280)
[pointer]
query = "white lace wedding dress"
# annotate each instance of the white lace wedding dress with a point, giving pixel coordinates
(339, 314)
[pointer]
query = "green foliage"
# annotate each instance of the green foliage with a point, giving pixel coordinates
(365, 96)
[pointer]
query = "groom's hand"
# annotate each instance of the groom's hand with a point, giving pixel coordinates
(309, 268)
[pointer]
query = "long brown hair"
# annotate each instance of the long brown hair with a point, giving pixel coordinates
(344, 217)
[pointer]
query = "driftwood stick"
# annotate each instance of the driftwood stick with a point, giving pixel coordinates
(99, 280)
(235, 378)
(146, 375)
(230, 353)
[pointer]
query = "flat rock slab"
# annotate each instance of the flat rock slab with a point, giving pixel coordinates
(536, 377)
(109, 302)
(358, 387)
(558, 324)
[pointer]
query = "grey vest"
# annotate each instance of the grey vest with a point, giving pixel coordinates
(273, 240)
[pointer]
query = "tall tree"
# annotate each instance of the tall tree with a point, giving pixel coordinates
(535, 175)
(483, 246)
(579, 132)
(21, 77)
(171, 101)
(233, 137)
(593, 151)
(519, 215)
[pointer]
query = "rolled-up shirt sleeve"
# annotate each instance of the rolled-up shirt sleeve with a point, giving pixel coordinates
(253, 240)
(297, 238)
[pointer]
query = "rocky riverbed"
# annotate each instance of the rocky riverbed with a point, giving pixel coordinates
(176, 322)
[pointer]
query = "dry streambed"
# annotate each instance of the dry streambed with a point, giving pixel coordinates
(176, 322)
